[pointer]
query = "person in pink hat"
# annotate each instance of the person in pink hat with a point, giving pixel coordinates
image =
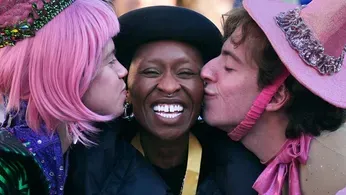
(279, 87)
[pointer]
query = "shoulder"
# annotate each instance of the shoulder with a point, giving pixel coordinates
(224, 151)
(231, 165)
(325, 171)
(111, 167)
(334, 141)
(208, 186)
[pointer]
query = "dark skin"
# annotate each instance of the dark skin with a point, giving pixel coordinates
(159, 69)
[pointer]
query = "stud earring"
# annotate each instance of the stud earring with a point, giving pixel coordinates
(200, 119)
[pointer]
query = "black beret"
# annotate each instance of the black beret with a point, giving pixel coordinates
(157, 23)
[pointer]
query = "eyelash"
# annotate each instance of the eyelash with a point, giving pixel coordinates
(186, 73)
(151, 73)
(112, 62)
(229, 69)
(155, 73)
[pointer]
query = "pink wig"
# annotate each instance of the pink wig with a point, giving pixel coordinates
(53, 70)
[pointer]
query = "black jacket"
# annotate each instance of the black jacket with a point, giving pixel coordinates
(115, 167)
(233, 167)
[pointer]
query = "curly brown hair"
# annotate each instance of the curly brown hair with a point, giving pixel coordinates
(307, 113)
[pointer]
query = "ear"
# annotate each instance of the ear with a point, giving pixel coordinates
(279, 100)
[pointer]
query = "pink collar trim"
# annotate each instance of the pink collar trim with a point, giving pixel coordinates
(293, 153)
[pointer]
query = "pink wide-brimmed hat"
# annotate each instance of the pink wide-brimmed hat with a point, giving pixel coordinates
(310, 41)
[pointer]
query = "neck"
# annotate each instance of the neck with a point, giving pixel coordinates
(165, 153)
(65, 138)
(267, 137)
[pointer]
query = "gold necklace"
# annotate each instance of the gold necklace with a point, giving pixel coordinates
(190, 181)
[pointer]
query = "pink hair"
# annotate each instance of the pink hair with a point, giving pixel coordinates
(53, 70)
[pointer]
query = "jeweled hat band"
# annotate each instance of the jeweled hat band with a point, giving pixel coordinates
(10, 35)
(310, 50)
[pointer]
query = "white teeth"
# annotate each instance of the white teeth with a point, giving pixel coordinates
(168, 108)
(174, 115)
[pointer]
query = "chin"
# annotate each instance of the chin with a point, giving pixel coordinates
(211, 119)
(212, 122)
(215, 121)
(117, 112)
(170, 136)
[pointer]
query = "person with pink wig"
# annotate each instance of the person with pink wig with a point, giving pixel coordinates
(278, 87)
(58, 75)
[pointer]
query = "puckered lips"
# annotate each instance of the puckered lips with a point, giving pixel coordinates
(209, 94)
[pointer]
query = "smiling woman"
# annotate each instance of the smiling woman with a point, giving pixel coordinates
(165, 88)
(164, 49)
(166, 91)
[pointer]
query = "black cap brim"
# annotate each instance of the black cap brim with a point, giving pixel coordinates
(157, 23)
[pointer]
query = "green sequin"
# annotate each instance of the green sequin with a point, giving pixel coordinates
(13, 177)
(16, 165)
(18, 32)
(7, 32)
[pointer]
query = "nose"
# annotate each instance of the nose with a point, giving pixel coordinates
(208, 73)
(121, 71)
(168, 84)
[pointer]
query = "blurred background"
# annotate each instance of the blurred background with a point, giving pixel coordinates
(212, 9)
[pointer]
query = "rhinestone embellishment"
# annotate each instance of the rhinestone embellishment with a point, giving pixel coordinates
(310, 50)
(10, 35)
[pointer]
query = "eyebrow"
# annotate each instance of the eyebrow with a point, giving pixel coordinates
(232, 55)
(109, 54)
(162, 61)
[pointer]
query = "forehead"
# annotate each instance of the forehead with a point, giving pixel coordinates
(237, 35)
(243, 46)
(166, 51)
(108, 48)
(236, 39)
